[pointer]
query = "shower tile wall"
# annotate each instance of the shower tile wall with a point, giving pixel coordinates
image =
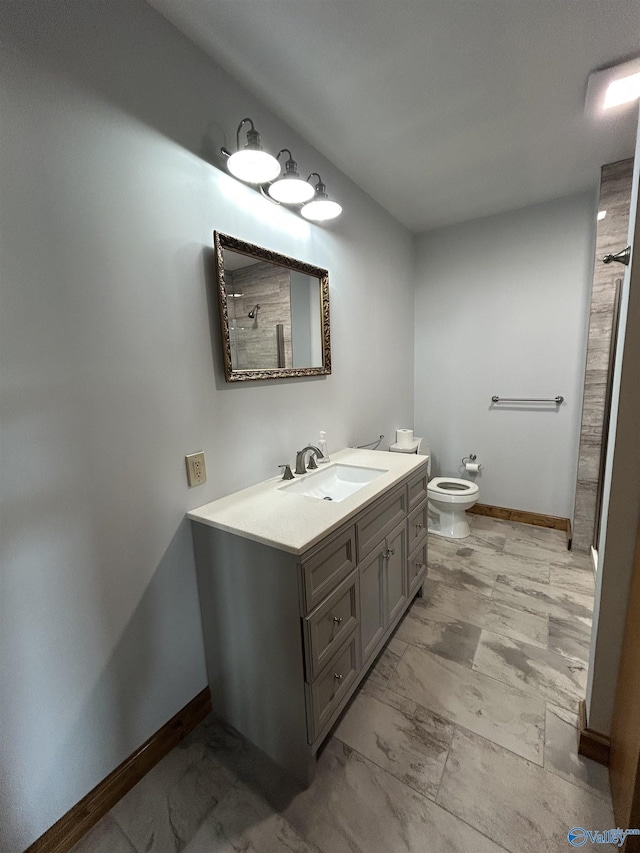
(256, 342)
(615, 198)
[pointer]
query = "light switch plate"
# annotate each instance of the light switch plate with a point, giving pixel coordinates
(196, 469)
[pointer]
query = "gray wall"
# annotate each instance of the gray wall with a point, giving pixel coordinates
(621, 501)
(501, 307)
(108, 376)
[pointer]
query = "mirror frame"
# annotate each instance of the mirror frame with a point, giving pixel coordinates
(232, 374)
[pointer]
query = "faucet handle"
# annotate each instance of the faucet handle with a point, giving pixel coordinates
(311, 464)
(286, 474)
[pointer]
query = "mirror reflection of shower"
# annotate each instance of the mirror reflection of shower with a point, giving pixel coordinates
(253, 314)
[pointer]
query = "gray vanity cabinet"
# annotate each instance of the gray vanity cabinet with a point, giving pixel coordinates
(289, 637)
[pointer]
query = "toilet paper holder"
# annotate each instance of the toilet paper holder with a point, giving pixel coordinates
(470, 465)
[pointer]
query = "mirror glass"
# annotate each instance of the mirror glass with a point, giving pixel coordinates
(274, 313)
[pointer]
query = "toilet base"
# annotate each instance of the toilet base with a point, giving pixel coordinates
(451, 525)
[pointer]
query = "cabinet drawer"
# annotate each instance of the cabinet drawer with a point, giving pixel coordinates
(418, 524)
(418, 488)
(324, 571)
(380, 520)
(417, 567)
(331, 623)
(335, 681)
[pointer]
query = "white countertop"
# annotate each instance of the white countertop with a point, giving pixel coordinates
(267, 513)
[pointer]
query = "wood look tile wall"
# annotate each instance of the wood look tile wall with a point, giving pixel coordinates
(615, 198)
(253, 342)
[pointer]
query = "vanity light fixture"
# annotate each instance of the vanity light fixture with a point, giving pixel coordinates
(321, 207)
(251, 163)
(290, 188)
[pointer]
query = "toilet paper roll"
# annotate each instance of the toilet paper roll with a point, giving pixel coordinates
(404, 437)
(472, 467)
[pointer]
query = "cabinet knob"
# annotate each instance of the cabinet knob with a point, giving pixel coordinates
(337, 620)
(419, 566)
(419, 525)
(389, 553)
(337, 676)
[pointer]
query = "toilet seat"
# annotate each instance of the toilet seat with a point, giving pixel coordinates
(451, 487)
(449, 499)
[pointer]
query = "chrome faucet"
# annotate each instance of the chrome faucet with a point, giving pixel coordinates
(300, 459)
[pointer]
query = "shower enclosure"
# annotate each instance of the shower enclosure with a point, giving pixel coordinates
(259, 300)
(611, 238)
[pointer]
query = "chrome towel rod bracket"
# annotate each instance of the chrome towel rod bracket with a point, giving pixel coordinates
(557, 400)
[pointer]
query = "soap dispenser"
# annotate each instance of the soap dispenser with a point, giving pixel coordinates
(322, 447)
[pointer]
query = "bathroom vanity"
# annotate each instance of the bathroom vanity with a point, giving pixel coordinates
(299, 593)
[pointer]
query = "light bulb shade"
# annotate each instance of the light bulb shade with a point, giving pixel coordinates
(321, 209)
(253, 166)
(291, 189)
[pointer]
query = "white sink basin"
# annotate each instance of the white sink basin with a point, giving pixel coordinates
(333, 482)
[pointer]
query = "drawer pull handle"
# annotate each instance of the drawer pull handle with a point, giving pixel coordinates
(337, 620)
(389, 553)
(337, 676)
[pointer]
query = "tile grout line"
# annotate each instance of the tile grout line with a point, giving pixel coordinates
(429, 799)
(493, 678)
(544, 769)
(459, 726)
(454, 617)
(388, 772)
(594, 791)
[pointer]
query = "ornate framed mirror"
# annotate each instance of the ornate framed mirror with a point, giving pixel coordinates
(274, 313)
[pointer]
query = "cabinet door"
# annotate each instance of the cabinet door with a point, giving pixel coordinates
(371, 601)
(396, 573)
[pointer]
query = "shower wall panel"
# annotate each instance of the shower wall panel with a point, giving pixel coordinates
(615, 198)
(256, 338)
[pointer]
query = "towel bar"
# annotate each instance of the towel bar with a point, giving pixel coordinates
(557, 400)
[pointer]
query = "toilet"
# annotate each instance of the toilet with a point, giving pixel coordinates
(449, 497)
(449, 500)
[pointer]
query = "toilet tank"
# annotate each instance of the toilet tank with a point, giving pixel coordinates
(422, 449)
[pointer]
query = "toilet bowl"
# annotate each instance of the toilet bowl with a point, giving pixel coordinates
(449, 499)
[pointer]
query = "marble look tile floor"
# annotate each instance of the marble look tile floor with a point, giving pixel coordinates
(462, 737)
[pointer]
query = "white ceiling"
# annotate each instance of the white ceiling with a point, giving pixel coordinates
(441, 110)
